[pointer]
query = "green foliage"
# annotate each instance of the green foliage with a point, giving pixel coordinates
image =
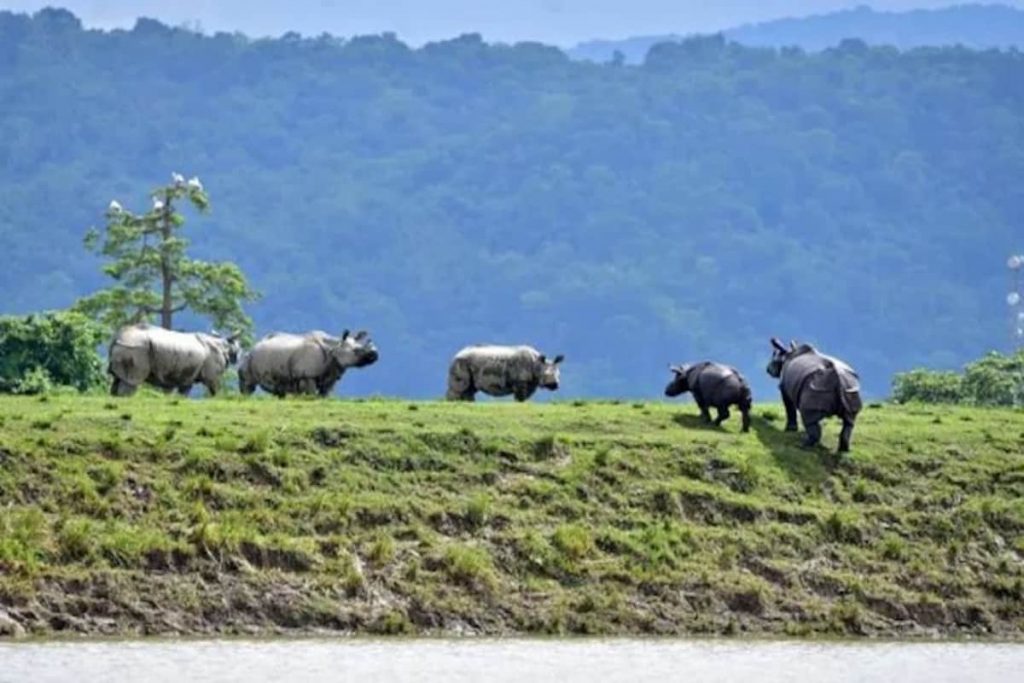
(995, 380)
(928, 386)
(40, 351)
(584, 202)
(154, 278)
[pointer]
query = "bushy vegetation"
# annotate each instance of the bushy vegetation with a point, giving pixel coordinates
(463, 192)
(995, 380)
(47, 350)
(160, 515)
(973, 25)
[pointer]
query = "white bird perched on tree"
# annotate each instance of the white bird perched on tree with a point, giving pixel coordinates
(194, 184)
(178, 178)
(158, 204)
(115, 207)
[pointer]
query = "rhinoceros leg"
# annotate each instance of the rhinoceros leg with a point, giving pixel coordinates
(745, 412)
(845, 435)
(185, 389)
(121, 388)
(812, 425)
(522, 391)
(723, 415)
(791, 425)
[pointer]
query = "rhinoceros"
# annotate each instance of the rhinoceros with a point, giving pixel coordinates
(168, 359)
(818, 386)
(500, 371)
(713, 385)
(310, 363)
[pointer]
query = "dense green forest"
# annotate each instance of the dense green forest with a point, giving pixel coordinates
(972, 25)
(861, 198)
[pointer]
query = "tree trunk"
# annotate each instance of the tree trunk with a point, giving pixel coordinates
(166, 276)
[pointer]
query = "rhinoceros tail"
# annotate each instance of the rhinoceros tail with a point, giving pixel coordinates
(746, 398)
(848, 399)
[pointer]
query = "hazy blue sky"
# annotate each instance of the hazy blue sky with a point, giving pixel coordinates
(562, 22)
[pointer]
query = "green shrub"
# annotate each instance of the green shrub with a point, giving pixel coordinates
(994, 380)
(471, 567)
(478, 510)
(40, 351)
(575, 542)
(928, 386)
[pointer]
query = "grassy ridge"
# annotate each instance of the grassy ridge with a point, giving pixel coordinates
(157, 515)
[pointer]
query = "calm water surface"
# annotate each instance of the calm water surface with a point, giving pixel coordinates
(507, 660)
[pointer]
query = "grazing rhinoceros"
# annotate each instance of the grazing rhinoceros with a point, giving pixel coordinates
(310, 363)
(713, 385)
(500, 371)
(167, 359)
(818, 386)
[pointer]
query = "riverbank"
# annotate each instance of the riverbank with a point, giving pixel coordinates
(157, 515)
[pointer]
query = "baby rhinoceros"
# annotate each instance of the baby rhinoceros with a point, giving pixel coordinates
(500, 371)
(713, 385)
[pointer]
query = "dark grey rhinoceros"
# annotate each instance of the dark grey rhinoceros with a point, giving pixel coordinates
(713, 385)
(169, 360)
(310, 363)
(500, 371)
(818, 386)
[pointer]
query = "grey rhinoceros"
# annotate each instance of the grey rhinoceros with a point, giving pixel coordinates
(818, 386)
(500, 371)
(713, 385)
(168, 359)
(310, 363)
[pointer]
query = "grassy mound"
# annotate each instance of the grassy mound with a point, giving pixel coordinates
(159, 515)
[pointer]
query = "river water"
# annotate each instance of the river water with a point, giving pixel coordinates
(563, 661)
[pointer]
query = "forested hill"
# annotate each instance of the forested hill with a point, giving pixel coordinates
(973, 25)
(864, 199)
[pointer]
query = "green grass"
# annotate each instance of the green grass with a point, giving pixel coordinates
(151, 515)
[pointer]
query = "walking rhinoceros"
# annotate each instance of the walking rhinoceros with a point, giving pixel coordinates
(713, 385)
(167, 359)
(818, 386)
(500, 371)
(310, 363)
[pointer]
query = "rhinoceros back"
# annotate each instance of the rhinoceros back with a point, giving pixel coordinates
(496, 369)
(816, 382)
(162, 357)
(282, 359)
(718, 384)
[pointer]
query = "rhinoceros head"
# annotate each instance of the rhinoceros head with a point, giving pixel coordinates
(355, 350)
(547, 371)
(780, 354)
(229, 346)
(679, 383)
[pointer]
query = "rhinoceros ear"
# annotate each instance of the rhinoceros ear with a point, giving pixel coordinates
(361, 335)
(792, 344)
(543, 358)
(345, 335)
(558, 359)
(235, 336)
(777, 343)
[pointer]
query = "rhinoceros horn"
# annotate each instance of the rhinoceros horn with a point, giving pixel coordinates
(777, 343)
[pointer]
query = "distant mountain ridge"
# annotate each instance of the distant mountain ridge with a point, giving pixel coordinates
(976, 25)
